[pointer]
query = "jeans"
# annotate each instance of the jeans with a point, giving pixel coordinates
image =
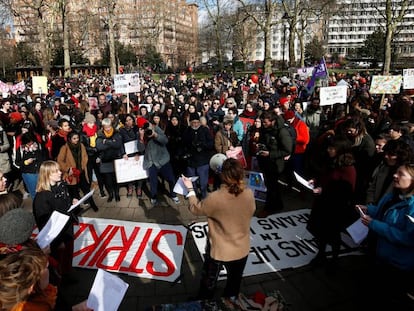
(165, 171)
(202, 173)
(30, 180)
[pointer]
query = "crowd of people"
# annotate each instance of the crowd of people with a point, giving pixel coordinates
(355, 153)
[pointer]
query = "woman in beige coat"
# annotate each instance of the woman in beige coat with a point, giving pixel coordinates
(229, 211)
(73, 160)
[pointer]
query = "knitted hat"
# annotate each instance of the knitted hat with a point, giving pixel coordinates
(141, 122)
(16, 226)
(227, 120)
(194, 116)
(283, 100)
(89, 118)
(289, 114)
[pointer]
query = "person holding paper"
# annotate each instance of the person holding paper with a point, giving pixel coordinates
(131, 133)
(395, 236)
(332, 210)
(52, 194)
(229, 211)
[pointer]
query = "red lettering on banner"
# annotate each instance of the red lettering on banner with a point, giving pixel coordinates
(134, 263)
(103, 246)
(157, 251)
(126, 245)
(89, 249)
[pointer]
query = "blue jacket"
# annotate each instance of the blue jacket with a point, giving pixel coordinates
(395, 232)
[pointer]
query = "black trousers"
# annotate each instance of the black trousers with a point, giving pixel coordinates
(210, 274)
(84, 186)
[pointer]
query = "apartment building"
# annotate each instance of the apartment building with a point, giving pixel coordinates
(170, 26)
(355, 20)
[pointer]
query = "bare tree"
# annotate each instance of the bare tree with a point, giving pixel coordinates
(218, 15)
(394, 14)
(264, 15)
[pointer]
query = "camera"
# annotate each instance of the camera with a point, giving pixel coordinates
(147, 130)
(260, 148)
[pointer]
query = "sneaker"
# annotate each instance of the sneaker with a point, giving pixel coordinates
(102, 195)
(154, 202)
(176, 200)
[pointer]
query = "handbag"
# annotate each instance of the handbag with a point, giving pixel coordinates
(238, 154)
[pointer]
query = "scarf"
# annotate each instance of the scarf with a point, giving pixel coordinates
(90, 131)
(31, 147)
(63, 134)
(108, 133)
(77, 154)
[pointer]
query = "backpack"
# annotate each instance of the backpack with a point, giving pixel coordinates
(292, 133)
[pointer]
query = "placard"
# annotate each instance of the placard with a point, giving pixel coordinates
(130, 170)
(39, 85)
(385, 85)
(408, 75)
(333, 95)
(127, 83)
(131, 147)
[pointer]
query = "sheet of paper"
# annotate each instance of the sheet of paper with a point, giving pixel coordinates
(107, 292)
(85, 197)
(131, 147)
(303, 181)
(51, 230)
(410, 218)
(179, 185)
(358, 231)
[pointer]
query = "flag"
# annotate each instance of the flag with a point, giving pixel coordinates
(319, 72)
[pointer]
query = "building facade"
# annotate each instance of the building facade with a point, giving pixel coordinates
(171, 27)
(356, 20)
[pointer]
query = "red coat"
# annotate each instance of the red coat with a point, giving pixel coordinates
(302, 135)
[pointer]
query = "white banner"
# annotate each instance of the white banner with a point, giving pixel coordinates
(333, 95)
(127, 83)
(146, 250)
(277, 242)
(39, 85)
(408, 78)
(130, 170)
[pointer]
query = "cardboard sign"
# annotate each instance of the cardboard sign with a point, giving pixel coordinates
(385, 85)
(333, 95)
(130, 170)
(39, 85)
(408, 75)
(127, 83)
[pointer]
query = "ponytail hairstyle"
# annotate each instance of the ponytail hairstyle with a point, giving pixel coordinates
(232, 175)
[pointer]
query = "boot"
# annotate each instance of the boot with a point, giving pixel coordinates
(130, 191)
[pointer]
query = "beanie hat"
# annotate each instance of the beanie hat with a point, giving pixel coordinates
(227, 120)
(283, 100)
(90, 118)
(16, 226)
(141, 122)
(289, 114)
(194, 116)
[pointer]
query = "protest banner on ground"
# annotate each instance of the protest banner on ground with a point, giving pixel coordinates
(385, 85)
(333, 95)
(146, 250)
(278, 242)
